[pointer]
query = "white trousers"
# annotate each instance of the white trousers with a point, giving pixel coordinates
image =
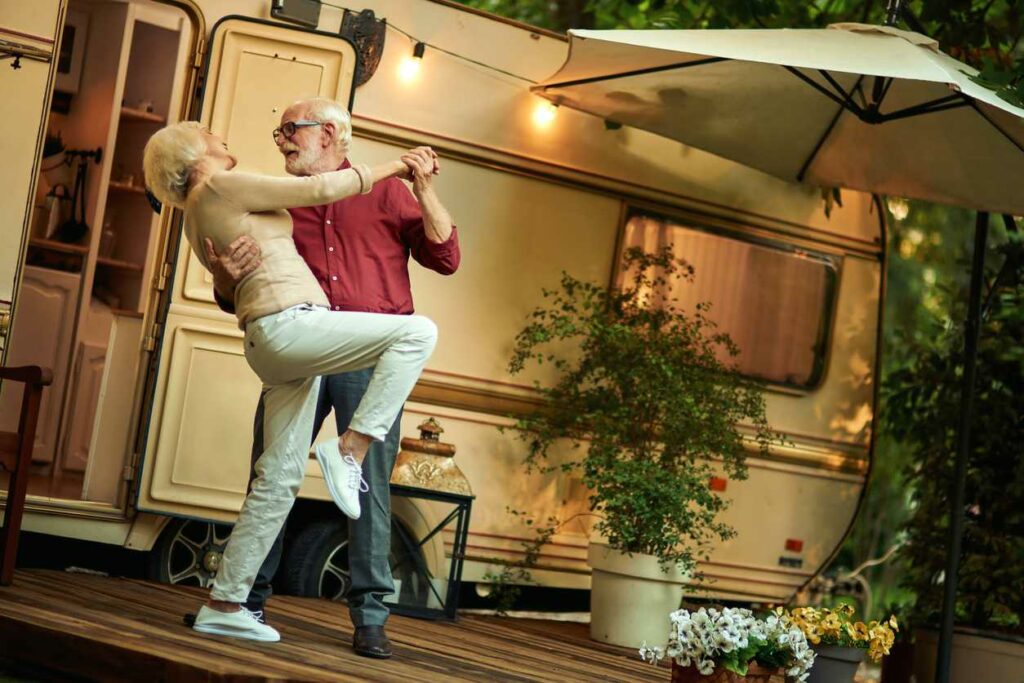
(290, 351)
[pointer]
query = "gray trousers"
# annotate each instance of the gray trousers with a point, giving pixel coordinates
(370, 535)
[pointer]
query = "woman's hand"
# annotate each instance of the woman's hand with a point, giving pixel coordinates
(422, 164)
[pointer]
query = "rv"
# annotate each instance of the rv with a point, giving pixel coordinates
(144, 436)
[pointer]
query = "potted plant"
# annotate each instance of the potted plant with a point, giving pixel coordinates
(839, 642)
(652, 393)
(922, 407)
(731, 644)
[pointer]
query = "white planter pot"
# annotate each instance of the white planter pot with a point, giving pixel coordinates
(631, 597)
(977, 656)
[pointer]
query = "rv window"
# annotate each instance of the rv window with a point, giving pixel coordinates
(773, 300)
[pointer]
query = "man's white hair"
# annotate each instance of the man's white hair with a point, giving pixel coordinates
(169, 159)
(323, 109)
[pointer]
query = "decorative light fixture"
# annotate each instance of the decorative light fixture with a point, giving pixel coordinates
(544, 113)
(409, 69)
(425, 469)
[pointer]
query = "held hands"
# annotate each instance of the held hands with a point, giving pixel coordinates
(240, 258)
(421, 165)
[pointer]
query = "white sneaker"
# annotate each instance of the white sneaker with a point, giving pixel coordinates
(241, 624)
(343, 476)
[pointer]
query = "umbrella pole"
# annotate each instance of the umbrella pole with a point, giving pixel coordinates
(956, 512)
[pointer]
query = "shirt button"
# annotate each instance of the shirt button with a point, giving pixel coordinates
(328, 222)
(330, 248)
(334, 277)
(337, 308)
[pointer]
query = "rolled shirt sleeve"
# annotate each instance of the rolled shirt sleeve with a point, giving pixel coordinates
(441, 257)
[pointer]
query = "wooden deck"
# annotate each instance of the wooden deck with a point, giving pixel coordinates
(108, 629)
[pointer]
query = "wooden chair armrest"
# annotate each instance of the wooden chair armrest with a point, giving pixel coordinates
(28, 374)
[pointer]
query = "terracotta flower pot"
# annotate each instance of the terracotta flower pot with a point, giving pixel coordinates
(755, 674)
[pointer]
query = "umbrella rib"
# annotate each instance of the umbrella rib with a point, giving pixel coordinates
(942, 104)
(838, 88)
(828, 131)
(885, 91)
(845, 103)
(636, 72)
(974, 106)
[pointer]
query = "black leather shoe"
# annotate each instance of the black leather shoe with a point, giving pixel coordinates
(371, 641)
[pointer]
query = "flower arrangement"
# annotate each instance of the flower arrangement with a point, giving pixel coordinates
(733, 639)
(836, 627)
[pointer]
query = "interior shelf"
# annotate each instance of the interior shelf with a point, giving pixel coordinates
(126, 312)
(126, 187)
(129, 114)
(114, 263)
(54, 245)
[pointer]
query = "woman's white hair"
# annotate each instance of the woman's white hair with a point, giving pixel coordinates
(323, 109)
(169, 159)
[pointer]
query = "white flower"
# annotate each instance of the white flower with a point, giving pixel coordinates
(651, 654)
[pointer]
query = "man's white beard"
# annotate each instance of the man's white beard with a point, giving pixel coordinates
(304, 163)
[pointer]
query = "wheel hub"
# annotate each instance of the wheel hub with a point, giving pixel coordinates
(211, 561)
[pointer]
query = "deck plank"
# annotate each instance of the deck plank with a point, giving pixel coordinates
(129, 630)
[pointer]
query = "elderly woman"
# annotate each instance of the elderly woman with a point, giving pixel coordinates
(291, 339)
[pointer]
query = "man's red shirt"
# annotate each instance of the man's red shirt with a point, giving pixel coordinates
(359, 247)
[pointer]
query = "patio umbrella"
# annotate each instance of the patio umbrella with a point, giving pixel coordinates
(865, 107)
(871, 108)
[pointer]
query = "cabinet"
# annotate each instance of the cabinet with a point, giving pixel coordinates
(42, 334)
(83, 395)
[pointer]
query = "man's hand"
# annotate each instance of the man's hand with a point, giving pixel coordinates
(423, 166)
(239, 259)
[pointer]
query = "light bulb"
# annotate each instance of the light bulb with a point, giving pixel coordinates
(409, 69)
(544, 113)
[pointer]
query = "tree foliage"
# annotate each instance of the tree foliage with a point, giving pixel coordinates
(923, 404)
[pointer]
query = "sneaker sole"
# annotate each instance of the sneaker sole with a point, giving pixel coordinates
(231, 633)
(329, 480)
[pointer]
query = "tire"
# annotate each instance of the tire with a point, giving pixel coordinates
(188, 553)
(316, 563)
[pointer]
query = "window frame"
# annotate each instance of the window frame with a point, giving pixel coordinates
(732, 229)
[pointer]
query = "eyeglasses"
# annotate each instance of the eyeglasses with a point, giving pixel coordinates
(287, 130)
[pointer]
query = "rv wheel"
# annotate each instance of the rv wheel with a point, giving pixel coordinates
(188, 552)
(317, 565)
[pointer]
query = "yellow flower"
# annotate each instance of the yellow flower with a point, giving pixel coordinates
(831, 626)
(857, 631)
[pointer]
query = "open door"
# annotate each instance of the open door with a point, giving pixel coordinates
(29, 37)
(196, 455)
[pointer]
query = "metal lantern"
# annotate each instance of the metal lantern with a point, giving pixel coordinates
(426, 469)
(428, 463)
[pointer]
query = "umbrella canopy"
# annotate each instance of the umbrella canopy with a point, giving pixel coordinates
(871, 108)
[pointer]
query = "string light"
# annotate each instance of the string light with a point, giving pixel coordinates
(409, 69)
(425, 44)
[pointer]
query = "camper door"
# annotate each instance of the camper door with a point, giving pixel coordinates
(196, 457)
(29, 37)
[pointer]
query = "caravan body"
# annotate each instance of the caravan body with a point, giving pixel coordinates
(149, 419)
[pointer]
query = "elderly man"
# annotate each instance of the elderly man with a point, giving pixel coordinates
(358, 249)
